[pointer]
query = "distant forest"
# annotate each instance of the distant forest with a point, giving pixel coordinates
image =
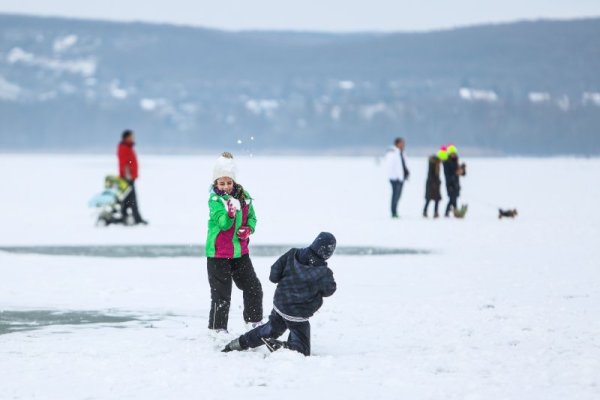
(530, 88)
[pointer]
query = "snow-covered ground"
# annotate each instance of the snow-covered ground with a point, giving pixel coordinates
(500, 310)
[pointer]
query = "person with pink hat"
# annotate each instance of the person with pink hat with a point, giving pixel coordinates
(453, 170)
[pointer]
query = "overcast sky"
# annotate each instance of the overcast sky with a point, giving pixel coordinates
(322, 15)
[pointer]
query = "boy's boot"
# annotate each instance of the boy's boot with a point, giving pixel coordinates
(233, 345)
(273, 344)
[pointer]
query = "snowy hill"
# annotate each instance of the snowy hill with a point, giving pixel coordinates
(529, 87)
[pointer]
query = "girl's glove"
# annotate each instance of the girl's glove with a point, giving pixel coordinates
(244, 232)
(231, 209)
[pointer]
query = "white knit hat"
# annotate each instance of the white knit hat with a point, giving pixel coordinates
(225, 167)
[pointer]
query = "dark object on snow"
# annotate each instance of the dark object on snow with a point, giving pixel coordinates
(507, 213)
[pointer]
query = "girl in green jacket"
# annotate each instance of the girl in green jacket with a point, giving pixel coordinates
(231, 222)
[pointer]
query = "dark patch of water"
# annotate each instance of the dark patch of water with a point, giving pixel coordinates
(152, 251)
(15, 321)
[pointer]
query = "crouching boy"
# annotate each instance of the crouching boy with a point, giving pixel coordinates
(302, 279)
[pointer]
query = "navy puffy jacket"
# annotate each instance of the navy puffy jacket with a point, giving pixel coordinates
(300, 287)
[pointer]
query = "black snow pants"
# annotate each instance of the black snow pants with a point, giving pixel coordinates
(131, 202)
(452, 200)
(298, 340)
(221, 272)
(436, 206)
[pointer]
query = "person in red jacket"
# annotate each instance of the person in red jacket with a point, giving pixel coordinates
(128, 170)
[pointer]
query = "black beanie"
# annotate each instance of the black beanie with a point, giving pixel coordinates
(319, 251)
(324, 245)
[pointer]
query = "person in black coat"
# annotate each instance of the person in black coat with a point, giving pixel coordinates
(303, 279)
(432, 186)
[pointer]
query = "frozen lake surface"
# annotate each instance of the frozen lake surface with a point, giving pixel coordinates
(478, 308)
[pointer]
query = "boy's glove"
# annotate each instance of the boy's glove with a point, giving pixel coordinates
(231, 209)
(244, 232)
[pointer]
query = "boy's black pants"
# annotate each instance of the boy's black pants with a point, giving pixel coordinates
(221, 272)
(299, 338)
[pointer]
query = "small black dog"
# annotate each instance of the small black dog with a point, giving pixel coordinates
(507, 213)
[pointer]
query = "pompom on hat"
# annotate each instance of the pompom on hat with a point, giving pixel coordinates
(451, 149)
(442, 153)
(225, 167)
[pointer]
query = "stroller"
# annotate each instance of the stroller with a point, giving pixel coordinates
(110, 203)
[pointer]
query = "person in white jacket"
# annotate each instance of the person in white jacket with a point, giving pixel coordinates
(397, 172)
